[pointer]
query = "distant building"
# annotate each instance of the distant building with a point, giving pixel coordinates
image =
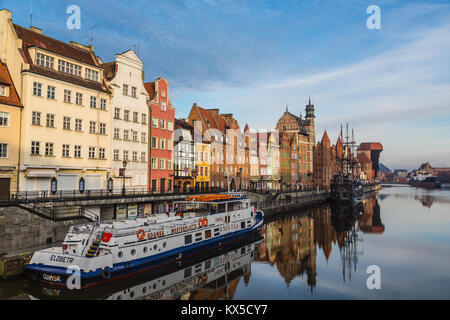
(184, 156)
(368, 155)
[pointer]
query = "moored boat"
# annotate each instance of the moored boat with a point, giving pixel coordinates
(102, 252)
(427, 183)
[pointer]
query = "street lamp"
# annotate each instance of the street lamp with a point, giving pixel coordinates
(124, 163)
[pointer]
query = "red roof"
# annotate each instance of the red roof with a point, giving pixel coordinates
(371, 146)
(34, 39)
(5, 79)
(150, 87)
(325, 138)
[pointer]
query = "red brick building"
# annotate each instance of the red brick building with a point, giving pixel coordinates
(162, 117)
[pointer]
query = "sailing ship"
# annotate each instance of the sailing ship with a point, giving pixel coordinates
(346, 187)
(105, 251)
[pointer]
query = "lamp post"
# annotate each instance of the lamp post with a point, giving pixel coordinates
(124, 163)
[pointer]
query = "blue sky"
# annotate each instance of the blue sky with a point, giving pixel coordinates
(252, 58)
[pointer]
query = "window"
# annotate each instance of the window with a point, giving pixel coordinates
(154, 164)
(79, 98)
(49, 149)
(93, 102)
(77, 152)
(117, 113)
(116, 155)
(126, 135)
(170, 125)
(44, 60)
(91, 74)
(2, 91)
(66, 150)
(144, 118)
(135, 117)
(125, 89)
(68, 96)
(163, 93)
(116, 133)
(36, 118)
(4, 119)
(37, 89)
(50, 120)
(163, 106)
(154, 143)
(169, 144)
(135, 156)
(135, 136)
(143, 137)
(51, 92)
(143, 157)
(35, 148)
(188, 271)
(78, 125)
(133, 92)
(162, 124)
(162, 143)
(126, 115)
(68, 67)
(125, 155)
(206, 171)
(242, 224)
(3, 151)
(162, 163)
(92, 127)
(103, 128)
(103, 104)
(66, 123)
(169, 164)
(188, 239)
(155, 123)
(198, 237)
(91, 152)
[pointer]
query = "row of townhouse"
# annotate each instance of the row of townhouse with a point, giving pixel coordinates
(69, 121)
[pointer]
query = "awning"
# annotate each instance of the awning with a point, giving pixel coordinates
(40, 174)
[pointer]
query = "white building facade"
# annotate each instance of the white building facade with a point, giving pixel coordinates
(130, 118)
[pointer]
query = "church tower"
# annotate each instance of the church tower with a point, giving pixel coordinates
(310, 127)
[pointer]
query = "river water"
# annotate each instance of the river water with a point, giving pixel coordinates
(325, 252)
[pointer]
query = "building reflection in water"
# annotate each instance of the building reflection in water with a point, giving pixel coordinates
(292, 243)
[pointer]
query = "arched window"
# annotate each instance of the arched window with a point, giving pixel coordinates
(81, 185)
(54, 185)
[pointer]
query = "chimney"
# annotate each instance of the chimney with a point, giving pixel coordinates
(35, 29)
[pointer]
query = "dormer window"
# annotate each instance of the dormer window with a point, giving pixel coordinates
(91, 74)
(70, 68)
(44, 60)
(2, 91)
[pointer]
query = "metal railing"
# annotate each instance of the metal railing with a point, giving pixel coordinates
(68, 195)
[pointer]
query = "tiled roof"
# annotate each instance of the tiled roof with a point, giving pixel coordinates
(109, 70)
(371, 146)
(325, 138)
(34, 39)
(66, 77)
(150, 87)
(5, 79)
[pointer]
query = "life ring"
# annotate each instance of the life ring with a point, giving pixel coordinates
(106, 274)
(205, 222)
(200, 223)
(140, 234)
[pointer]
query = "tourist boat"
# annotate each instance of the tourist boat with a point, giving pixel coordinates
(208, 273)
(102, 252)
(428, 183)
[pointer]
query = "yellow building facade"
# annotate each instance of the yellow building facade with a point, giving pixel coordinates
(203, 165)
(65, 133)
(10, 110)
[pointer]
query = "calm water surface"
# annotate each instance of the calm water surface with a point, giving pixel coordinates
(319, 253)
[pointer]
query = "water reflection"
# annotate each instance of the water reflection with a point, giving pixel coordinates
(209, 277)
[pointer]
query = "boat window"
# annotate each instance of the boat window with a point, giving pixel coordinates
(154, 285)
(242, 250)
(198, 268)
(207, 264)
(187, 272)
(188, 239)
(242, 224)
(221, 207)
(145, 249)
(133, 252)
(120, 254)
(155, 247)
(207, 234)
(198, 237)
(164, 244)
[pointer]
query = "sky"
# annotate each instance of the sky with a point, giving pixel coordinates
(254, 58)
